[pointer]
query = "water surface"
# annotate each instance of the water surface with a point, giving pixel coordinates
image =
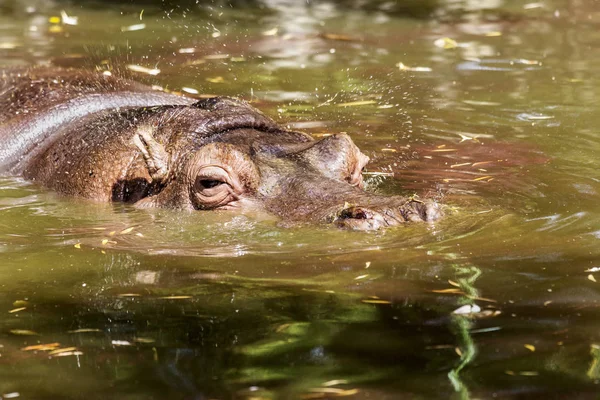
(132, 304)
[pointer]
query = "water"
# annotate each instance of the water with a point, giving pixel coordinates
(220, 306)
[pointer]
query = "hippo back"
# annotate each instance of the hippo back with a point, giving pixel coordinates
(35, 103)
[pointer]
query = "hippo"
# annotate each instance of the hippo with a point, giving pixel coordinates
(111, 139)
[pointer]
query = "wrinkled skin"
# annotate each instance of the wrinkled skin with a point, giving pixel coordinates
(109, 139)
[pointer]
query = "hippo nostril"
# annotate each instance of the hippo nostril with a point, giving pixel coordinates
(355, 213)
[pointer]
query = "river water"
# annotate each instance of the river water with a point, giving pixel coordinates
(491, 105)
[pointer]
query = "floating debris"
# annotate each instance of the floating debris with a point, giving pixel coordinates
(144, 340)
(85, 330)
(445, 291)
(8, 46)
(361, 277)
(63, 350)
(217, 79)
(132, 28)
(335, 36)
(593, 269)
(271, 32)
(460, 165)
(493, 34)
(591, 278)
(129, 295)
(143, 70)
(42, 347)
(216, 56)
(403, 67)
(77, 245)
(175, 297)
(335, 392)
(467, 309)
(481, 178)
(446, 43)
(357, 103)
(69, 353)
(23, 332)
(16, 310)
(126, 231)
(121, 343)
(486, 330)
(11, 395)
(190, 90)
(335, 382)
(68, 19)
(529, 347)
(531, 6)
(376, 301)
(187, 50)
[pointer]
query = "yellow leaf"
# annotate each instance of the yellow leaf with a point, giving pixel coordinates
(530, 347)
(23, 332)
(357, 103)
(63, 350)
(446, 43)
(377, 301)
(41, 347)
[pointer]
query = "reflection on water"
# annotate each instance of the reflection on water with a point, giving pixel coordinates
(492, 105)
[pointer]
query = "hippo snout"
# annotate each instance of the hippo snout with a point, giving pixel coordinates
(374, 218)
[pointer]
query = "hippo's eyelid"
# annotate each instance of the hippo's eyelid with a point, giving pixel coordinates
(210, 183)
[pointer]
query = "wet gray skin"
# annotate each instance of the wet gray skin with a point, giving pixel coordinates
(110, 139)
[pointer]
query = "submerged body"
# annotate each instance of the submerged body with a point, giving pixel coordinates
(109, 139)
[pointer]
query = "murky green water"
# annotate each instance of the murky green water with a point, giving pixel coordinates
(504, 123)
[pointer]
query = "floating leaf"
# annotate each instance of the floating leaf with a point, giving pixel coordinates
(68, 19)
(591, 278)
(217, 79)
(130, 229)
(24, 332)
(529, 347)
(85, 330)
(357, 103)
(446, 291)
(403, 67)
(63, 350)
(42, 347)
(131, 28)
(143, 70)
(368, 301)
(143, 340)
(467, 309)
(77, 245)
(69, 353)
(121, 343)
(446, 43)
(190, 91)
(335, 36)
(271, 32)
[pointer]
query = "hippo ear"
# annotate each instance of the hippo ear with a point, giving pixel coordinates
(155, 155)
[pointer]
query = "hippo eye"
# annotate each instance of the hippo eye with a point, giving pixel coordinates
(210, 183)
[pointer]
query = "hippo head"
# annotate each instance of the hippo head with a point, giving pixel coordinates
(286, 173)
